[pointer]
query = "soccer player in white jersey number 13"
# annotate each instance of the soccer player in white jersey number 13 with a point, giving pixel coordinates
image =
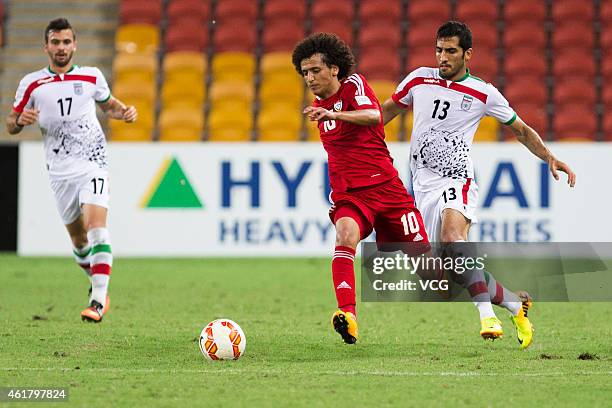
(62, 98)
(448, 104)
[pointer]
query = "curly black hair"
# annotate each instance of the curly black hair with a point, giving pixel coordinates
(334, 51)
(58, 24)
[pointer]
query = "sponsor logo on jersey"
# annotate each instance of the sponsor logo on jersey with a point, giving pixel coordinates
(78, 88)
(431, 81)
(44, 81)
(363, 100)
(466, 103)
(338, 106)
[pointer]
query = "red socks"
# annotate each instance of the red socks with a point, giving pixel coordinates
(343, 274)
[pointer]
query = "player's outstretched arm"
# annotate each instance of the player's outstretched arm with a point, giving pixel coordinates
(15, 121)
(116, 109)
(530, 138)
(390, 110)
(364, 117)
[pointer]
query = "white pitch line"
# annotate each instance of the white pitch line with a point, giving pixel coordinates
(335, 373)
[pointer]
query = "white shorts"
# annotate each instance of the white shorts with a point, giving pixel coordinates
(71, 194)
(459, 195)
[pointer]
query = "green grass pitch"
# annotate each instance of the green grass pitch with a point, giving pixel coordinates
(145, 353)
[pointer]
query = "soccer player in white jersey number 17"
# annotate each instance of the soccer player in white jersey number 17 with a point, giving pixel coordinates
(448, 104)
(62, 98)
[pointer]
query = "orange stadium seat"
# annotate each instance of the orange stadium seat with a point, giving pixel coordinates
(574, 89)
(524, 34)
(574, 34)
(235, 35)
(233, 66)
(277, 64)
(273, 92)
(526, 88)
(184, 63)
(484, 35)
(140, 11)
(380, 12)
(340, 10)
(525, 60)
(183, 92)
(196, 9)
(381, 63)
(421, 10)
(236, 10)
(186, 35)
(372, 37)
(279, 124)
(606, 68)
(606, 95)
(571, 10)
(134, 93)
(137, 38)
(421, 57)
(228, 94)
(344, 31)
(532, 11)
(293, 12)
(229, 125)
(574, 120)
(484, 65)
(607, 127)
(135, 67)
(130, 132)
(574, 62)
(476, 10)
(533, 114)
(383, 91)
(422, 34)
(312, 131)
(181, 125)
(605, 13)
(280, 35)
(605, 39)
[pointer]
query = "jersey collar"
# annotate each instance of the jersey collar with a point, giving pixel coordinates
(466, 76)
(55, 73)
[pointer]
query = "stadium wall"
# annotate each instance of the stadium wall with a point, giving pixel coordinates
(271, 199)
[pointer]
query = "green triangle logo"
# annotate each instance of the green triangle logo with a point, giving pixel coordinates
(171, 188)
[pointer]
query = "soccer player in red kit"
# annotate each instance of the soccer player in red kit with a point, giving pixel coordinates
(367, 193)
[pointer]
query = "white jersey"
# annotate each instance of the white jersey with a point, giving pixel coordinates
(73, 138)
(446, 116)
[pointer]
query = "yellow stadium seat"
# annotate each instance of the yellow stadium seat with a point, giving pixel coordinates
(408, 118)
(233, 66)
(136, 68)
(181, 125)
(231, 95)
(487, 130)
(290, 93)
(312, 131)
(392, 130)
(183, 92)
(383, 89)
(277, 64)
(181, 63)
(279, 125)
(132, 93)
(139, 131)
(137, 38)
(229, 125)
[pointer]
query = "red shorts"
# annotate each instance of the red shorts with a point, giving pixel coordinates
(389, 210)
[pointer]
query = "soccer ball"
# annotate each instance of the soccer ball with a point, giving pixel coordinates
(222, 339)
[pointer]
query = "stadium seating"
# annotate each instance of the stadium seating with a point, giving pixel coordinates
(197, 9)
(230, 125)
(181, 125)
(574, 90)
(384, 90)
(574, 34)
(421, 11)
(279, 124)
(342, 21)
(140, 11)
(574, 121)
(186, 34)
(136, 68)
(281, 35)
(137, 38)
(372, 37)
(380, 13)
(487, 130)
(574, 62)
(380, 63)
(233, 66)
(293, 12)
(525, 11)
(524, 34)
(526, 61)
(570, 10)
(605, 13)
(483, 65)
(471, 11)
(532, 114)
(526, 88)
(226, 95)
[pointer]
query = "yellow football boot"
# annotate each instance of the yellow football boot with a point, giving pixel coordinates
(490, 328)
(524, 328)
(345, 323)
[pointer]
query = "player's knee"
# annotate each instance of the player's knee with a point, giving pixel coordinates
(449, 236)
(347, 235)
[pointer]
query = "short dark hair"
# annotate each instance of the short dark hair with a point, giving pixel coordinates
(58, 24)
(334, 51)
(456, 29)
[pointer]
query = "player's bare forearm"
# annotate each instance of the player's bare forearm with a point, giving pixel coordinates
(16, 120)
(365, 117)
(532, 140)
(390, 110)
(116, 109)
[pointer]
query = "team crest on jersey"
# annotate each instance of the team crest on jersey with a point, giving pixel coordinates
(78, 88)
(338, 106)
(466, 103)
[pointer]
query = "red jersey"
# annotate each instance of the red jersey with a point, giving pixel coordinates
(357, 155)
